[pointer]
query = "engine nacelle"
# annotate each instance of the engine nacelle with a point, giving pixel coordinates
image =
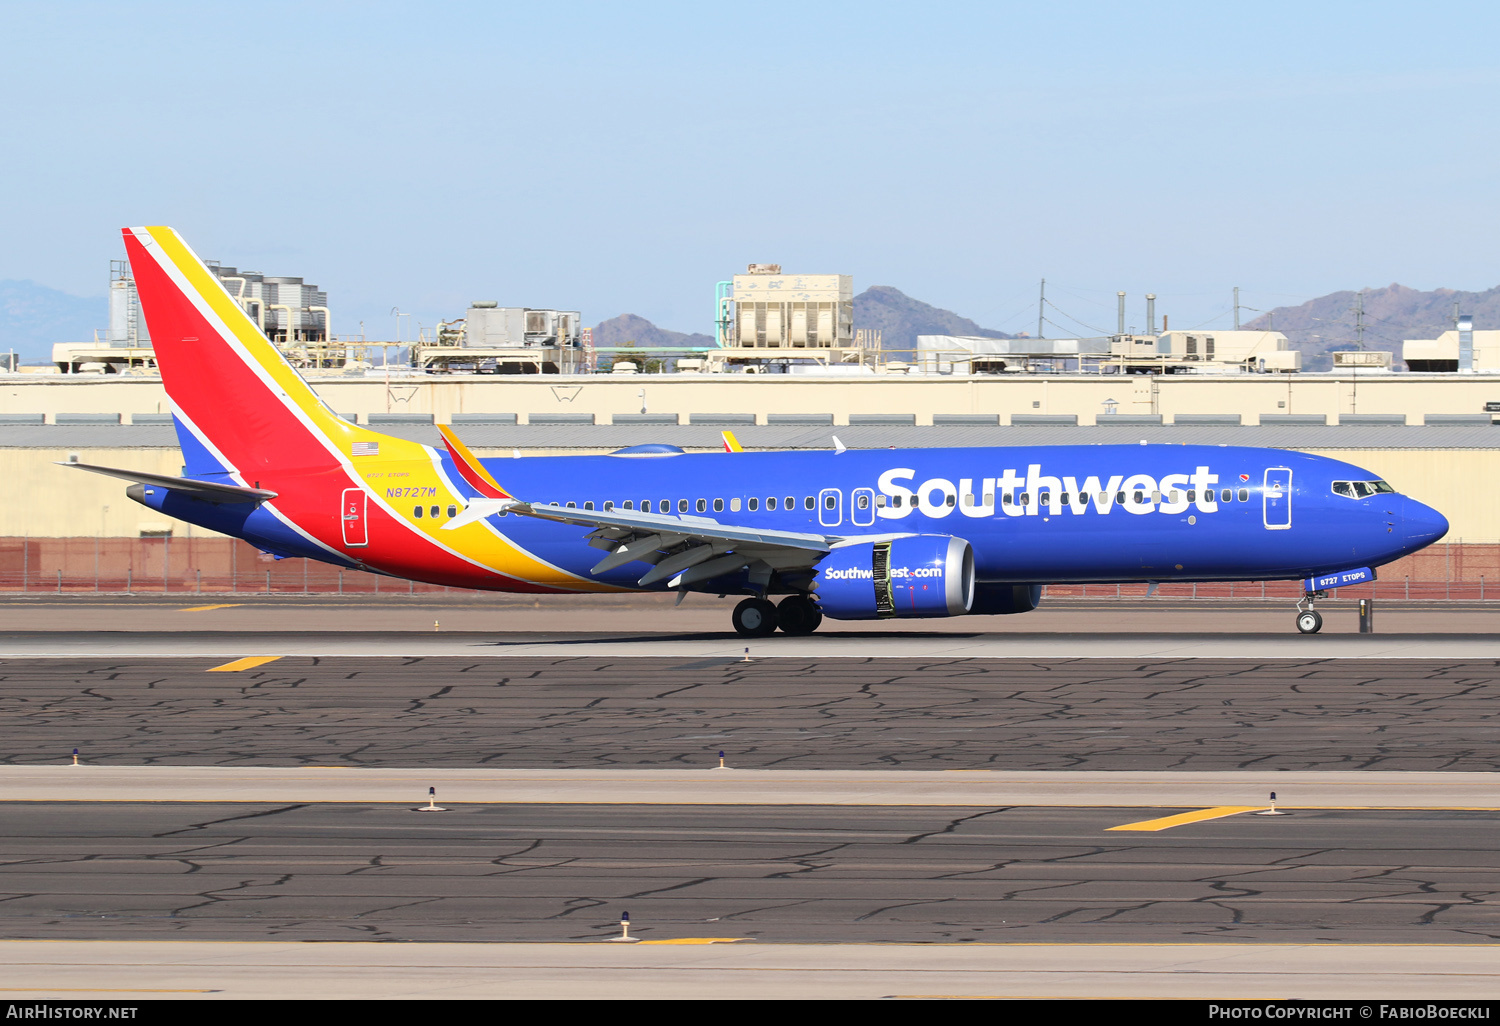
(922, 576)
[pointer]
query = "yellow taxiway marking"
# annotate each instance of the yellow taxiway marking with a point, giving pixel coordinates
(204, 609)
(248, 663)
(696, 940)
(1168, 822)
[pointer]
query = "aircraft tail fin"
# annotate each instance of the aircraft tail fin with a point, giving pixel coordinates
(237, 402)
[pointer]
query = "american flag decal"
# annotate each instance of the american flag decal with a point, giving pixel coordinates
(365, 449)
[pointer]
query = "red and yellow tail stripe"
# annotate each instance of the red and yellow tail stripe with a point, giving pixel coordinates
(470, 469)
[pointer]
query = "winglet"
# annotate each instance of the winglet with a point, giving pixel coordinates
(838, 446)
(731, 443)
(469, 467)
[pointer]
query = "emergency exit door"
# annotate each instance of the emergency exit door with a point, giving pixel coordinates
(1276, 499)
(354, 509)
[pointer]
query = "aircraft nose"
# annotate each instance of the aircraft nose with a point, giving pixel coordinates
(1420, 523)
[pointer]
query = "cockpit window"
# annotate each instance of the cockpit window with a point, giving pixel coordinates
(1361, 489)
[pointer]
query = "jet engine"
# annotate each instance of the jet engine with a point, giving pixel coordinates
(921, 576)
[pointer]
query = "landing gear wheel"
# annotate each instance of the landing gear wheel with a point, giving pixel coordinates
(798, 615)
(755, 618)
(1309, 621)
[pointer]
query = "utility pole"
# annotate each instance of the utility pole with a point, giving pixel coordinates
(1359, 319)
(1236, 308)
(1040, 303)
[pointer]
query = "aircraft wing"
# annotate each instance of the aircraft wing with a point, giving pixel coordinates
(682, 550)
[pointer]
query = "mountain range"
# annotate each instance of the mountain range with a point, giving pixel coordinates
(898, 317)
(33, 317)
(1391, 315)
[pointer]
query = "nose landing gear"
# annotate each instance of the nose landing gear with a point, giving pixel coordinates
(1309, 620)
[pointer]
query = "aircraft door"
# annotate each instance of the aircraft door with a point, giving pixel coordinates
(830, 507)
(1276, 499)
(862, 507)
(353, 515)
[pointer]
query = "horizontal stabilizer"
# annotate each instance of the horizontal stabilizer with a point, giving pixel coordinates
(209, 491)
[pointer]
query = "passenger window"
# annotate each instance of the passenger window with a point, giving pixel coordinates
(829, 502)
(1140, 497)
(1044, 499)
(1192, 495)
(1026, 498)
(588, 505)
(950, 499)
(880, 501)
(664, 506)
(434, 512)
(452, 512)
(1119, 496)
(734, 505)
(1064, 499)
(808, 503)
(770, 503)
(754, 505)
(572, 505)
(718, 505)
(702, 505)
(608, 506)
(791, 502)
(896, 501)
(1156, 496)
(682, 505)
(628, 504)
(417, 512)
(1244, 495)
(1226, 496)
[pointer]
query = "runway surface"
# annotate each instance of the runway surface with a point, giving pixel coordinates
(1324, 789)
(260, 788)
(627, 616)
(1362, 975)
(770, 873)
(1182, 715)
(846, 644)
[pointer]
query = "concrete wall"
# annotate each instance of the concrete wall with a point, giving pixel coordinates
(1249, 395)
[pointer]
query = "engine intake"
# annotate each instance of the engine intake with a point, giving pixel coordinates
(922, 576)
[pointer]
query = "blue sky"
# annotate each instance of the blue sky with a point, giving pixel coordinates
(624, 157)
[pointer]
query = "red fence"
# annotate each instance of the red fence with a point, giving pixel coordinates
(1457, 570)
(177, 565)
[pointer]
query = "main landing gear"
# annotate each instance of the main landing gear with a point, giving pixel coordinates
(1309, 620)
(758, 618)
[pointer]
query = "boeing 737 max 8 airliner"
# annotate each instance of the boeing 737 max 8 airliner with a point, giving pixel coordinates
(851, 534)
